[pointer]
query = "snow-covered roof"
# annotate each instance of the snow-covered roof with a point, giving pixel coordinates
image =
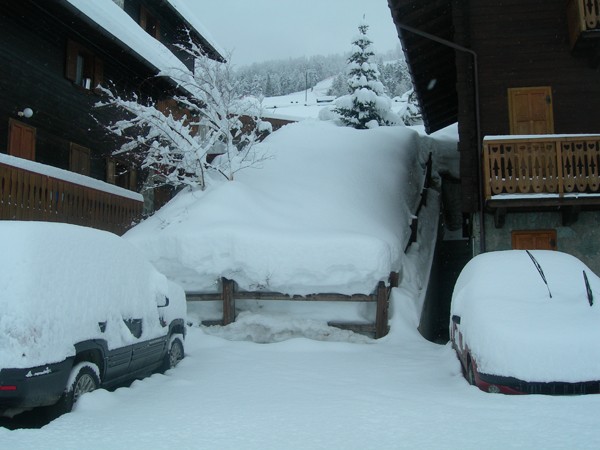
(330, 212)
(192, 20)
(118, 24)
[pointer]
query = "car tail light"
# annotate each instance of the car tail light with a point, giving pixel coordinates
(8, 388)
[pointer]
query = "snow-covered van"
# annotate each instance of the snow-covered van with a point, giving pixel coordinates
(79, 309)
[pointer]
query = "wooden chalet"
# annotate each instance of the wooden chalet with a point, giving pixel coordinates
(55, 156)
(521, 78)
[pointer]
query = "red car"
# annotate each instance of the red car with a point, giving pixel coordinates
(526, 323)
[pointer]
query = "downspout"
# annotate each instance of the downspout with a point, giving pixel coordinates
(460, 48)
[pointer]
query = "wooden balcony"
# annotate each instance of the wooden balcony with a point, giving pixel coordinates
(33, 191)
(583, 18)
(541, 171)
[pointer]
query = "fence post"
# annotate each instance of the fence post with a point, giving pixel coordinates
(381, 320)
(228, 301)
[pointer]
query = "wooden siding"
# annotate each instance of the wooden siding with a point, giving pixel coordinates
(525, 43)
(35, 74)
(519, 43)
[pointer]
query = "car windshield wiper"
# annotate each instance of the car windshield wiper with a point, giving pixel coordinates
(588, 289)
(539, 269)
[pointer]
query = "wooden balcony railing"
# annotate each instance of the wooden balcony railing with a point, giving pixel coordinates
(33, 191)
(559, 165)
(583, 17)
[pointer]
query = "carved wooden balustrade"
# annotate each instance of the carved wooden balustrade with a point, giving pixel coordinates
(583, 17)
(548, 164)
(33, 191)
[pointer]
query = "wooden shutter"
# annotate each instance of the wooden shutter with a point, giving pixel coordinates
(149, 23)
(530, 110)
(21, 140)
(71, 60)
(132, 179)
(534, 240)
(111, 171)
(98, 72)
(79, 161)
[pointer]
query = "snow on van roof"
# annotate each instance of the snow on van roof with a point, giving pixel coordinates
(57, 281)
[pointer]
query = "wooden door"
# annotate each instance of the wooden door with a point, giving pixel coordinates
(530, 110)
(21, 140)
(534, 240)
(79, 160)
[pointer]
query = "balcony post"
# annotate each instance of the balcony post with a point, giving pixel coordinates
(559, 168)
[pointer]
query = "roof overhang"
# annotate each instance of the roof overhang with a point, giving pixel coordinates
(432, 63)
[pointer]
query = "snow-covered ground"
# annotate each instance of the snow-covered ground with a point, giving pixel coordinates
(306, 104)
(277, 380)
(399, 392)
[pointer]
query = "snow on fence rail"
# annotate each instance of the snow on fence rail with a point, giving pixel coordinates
(229, 294)
(33, 191)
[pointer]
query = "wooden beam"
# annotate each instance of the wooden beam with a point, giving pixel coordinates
(228, 301)
(260, 295)
(381, 319)
(361, 328)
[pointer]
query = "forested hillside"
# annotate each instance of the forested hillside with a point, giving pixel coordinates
(282, 77)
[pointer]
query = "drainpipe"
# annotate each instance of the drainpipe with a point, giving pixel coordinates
(460, 48)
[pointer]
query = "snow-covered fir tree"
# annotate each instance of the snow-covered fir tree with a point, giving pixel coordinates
(191, 139)
(339, 86)
(367, 106)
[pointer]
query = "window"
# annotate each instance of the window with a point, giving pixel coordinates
(83, 68)
(21, 140)
(530, 110)
(534, 240)
(79, 159)
(121, 175)
(149, 23)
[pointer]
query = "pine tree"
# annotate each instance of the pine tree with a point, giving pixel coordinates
(339, 86)
(367, 106)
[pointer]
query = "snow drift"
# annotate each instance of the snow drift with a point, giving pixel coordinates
(329, 212)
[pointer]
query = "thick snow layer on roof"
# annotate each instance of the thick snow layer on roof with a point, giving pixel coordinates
(66, 175)
(183, 9)
(116, 22)
(330, 212)
(57, 281)
(514, 328)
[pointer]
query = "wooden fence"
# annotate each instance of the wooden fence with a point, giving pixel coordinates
(28, 195)
(229, 294)
(561, 164)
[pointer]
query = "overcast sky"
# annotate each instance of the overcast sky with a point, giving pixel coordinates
(261, 30)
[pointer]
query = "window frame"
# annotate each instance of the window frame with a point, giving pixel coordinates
(83, 67)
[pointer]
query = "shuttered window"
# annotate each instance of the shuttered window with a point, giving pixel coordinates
(149, 23)
(83, 67)
(79, 160)
(530, 110)
(534, 240)
(21, 140)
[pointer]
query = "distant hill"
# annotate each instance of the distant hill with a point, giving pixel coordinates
(283, 77)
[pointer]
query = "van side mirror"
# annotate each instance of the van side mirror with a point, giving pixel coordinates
(456, 319)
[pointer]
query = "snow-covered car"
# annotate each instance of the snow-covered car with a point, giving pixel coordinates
(79, 309)
(525, 322)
